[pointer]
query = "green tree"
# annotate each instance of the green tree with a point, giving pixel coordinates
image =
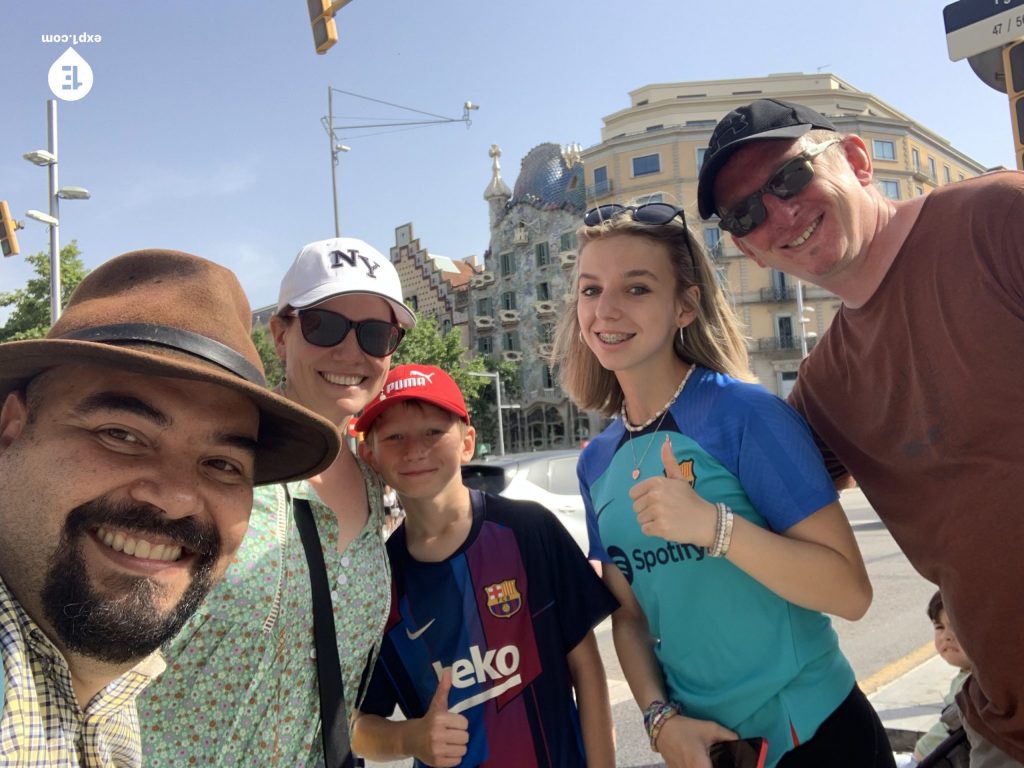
(30, 318)
(272, 365)
(426, 344)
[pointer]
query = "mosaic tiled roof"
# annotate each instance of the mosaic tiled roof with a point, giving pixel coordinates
(546, 181)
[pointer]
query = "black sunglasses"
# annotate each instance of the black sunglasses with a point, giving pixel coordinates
(788, 180)
(323, 328)
(648, 213)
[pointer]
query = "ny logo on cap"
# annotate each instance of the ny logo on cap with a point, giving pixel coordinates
(341, 258)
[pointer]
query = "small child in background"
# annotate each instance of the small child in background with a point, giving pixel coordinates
(949, 649)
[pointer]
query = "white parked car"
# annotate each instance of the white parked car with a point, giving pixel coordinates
(547, 477)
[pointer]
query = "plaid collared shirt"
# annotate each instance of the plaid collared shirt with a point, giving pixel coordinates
(42, 724)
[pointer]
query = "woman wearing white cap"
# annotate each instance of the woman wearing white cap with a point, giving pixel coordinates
(242, 682)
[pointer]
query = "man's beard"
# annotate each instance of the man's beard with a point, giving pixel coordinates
(124, 624)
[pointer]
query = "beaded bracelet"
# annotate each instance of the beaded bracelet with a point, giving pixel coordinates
(723, 531)
(655, 716)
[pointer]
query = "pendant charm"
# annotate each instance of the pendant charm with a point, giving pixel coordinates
(636, 473)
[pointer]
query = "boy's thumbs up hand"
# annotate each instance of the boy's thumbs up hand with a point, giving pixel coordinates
(669, 508)
(441, 736)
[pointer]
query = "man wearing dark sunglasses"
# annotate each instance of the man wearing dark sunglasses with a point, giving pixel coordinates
(932, 293)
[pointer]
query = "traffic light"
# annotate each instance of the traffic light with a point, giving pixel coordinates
(321, 16)
(8, 226)
(1013, 66)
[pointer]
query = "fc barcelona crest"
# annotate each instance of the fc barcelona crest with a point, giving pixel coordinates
(503, 599)
(686, 467)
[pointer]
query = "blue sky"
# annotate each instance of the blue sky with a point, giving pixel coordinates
(202, 130)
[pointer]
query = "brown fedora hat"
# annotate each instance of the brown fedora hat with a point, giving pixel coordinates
(168, 313)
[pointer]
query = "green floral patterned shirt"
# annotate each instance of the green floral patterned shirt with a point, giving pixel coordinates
(240, 686)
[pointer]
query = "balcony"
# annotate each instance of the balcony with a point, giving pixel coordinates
(777, 293)
(544, 308)
(567, 259)
(545, 350)
(483, 322)
(509, 316)
(512, 356)
(922, 176)
(548, 395)
(784, 346)
(481, 280)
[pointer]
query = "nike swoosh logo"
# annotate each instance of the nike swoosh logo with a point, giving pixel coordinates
(420, 631)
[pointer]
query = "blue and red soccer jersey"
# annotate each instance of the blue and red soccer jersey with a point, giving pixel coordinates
(503, 612)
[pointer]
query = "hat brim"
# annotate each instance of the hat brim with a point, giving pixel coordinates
(376, 408)
(403, 314)
(292, 441)
(709, 170)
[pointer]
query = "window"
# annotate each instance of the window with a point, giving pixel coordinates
(915, 158)
(508, 264)
(547, 333)
(446, 326)
(786, 381)
(543, 291)
(883, 150)
(701, 151)
(548, 382)
(601, 185)
(510, 341)
(931, 169)
(784, 328)
(541, 251)
(484, 306)
(713, 242)
(646, 164)
(567, 241)
(484, 345)
(508, 300)
(722, 275)
(413, 302)
(946, 175)
(657, 197)
(890, 189)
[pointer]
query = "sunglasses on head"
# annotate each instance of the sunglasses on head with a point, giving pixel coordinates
(788, 180)
(649, 213)
(323, 328)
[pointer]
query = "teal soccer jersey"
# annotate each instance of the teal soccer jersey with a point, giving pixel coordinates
(731, 650)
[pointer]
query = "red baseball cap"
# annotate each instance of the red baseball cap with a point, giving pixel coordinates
(416, 382)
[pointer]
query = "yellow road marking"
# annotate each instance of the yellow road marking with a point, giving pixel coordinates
(897, 668)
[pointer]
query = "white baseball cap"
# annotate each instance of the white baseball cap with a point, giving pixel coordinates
(340, 266)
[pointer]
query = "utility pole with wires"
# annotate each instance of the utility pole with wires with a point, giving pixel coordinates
(337, 147)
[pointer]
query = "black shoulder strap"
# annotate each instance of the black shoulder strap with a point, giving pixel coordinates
(334, 725)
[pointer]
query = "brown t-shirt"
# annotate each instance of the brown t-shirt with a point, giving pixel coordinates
(919, 394)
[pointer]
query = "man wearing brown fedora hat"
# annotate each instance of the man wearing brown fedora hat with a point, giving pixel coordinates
(130, 441)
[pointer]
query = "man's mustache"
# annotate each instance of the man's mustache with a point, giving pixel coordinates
(199, 538)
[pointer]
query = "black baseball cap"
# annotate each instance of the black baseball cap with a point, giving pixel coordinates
(761, 119)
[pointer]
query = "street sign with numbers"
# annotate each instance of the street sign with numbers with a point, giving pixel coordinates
(976, 26)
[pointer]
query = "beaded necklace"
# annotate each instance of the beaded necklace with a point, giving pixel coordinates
(660, 416)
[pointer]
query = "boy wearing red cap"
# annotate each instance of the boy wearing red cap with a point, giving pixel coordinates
(492, 609)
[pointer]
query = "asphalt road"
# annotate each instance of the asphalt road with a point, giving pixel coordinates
(895, 627)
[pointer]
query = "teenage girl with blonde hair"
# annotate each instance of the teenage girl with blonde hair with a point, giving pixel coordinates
(707, 501)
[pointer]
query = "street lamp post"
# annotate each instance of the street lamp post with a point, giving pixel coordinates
(335, 140)
(497, 389)
(48, 158)
(803, 319)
